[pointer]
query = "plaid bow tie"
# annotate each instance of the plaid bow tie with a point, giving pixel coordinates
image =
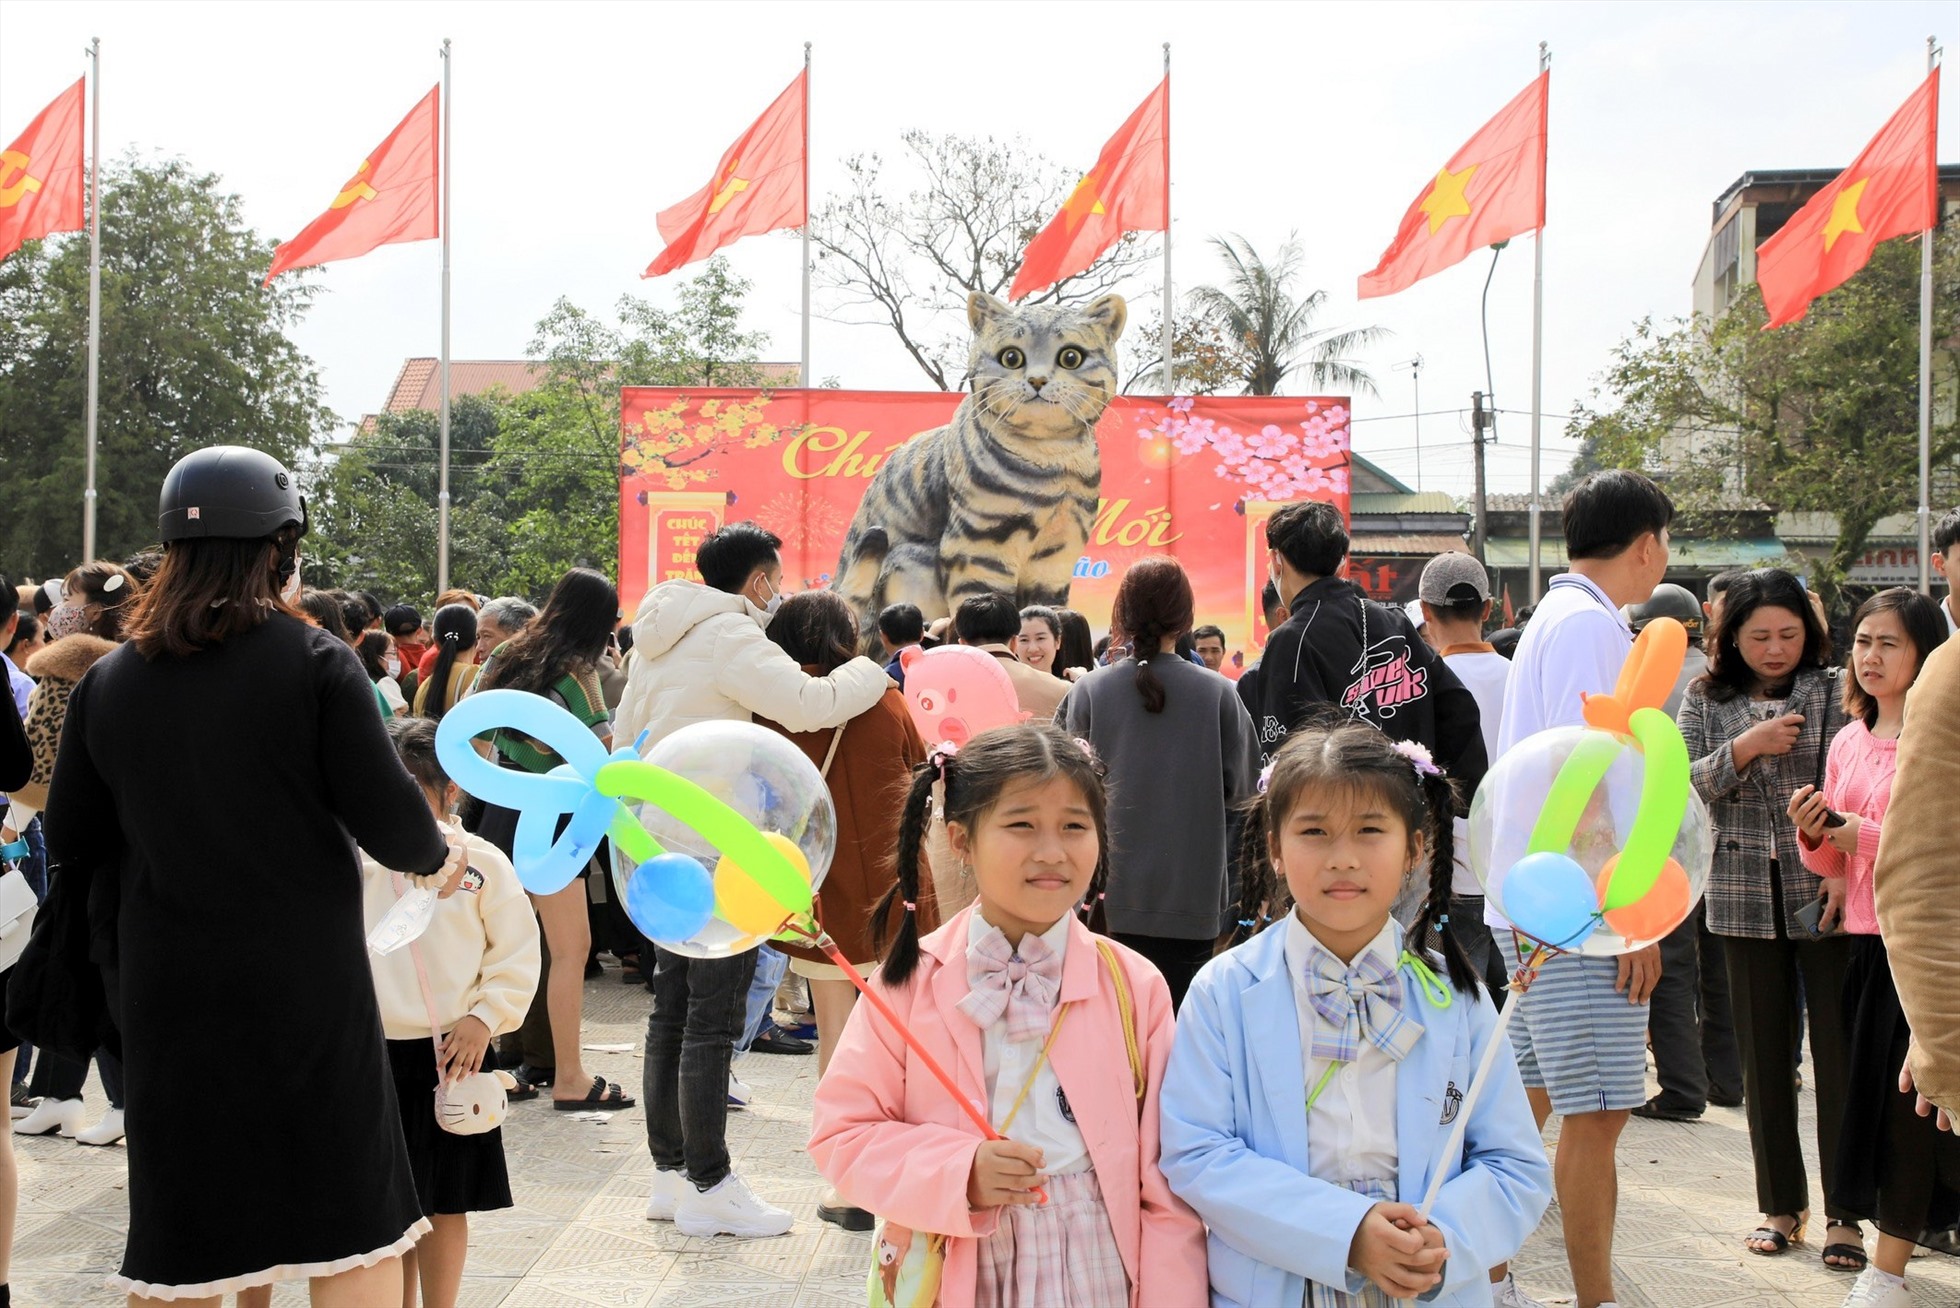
(1360, 1002)
(1021, 985)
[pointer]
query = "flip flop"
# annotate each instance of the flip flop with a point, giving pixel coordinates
(604, 1096)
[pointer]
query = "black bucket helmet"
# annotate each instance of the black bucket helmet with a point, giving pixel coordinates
(228, 491)
(1669, 601)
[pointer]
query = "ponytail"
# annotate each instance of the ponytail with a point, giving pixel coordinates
(1433, 919)
(455, 631)
(900, 946)
(1148, 684)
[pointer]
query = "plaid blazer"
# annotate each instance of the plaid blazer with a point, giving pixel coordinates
(1755, 841)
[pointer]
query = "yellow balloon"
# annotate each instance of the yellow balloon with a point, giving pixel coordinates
(744, 903)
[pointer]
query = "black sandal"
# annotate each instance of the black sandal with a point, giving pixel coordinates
(1854, 1256)
(604, 1096)
(1778, 1241)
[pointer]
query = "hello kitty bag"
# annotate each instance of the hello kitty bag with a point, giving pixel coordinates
(906, 1265)
(469, 1105)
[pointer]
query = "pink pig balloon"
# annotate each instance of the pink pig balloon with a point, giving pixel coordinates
(956, 692)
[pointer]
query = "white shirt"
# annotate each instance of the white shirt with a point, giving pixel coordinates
(1574, 645)
(1351, 1130)
(1485, 673)
(1044, 1120)
(1946, 611)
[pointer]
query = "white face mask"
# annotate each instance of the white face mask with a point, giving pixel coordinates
(394, 666)
(775, 598)
(290, 593)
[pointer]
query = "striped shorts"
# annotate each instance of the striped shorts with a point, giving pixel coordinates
(1369, 1295)
(1575, 1037)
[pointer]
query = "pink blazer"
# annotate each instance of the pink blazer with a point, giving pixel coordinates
(888, 1137)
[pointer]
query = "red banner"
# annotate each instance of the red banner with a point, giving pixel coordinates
(1194, 478)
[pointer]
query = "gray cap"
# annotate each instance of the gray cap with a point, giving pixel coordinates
(1452, 578)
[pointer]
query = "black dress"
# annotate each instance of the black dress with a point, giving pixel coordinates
(227, 791)
(1894, 1167)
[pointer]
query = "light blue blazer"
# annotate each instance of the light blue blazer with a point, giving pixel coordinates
(1235, 1139)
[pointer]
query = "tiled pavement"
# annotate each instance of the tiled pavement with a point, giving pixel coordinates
(578, 1237)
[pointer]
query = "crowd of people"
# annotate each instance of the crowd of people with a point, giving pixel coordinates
(1250, 898)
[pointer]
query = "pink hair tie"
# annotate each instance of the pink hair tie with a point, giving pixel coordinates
(1418, 757)
(910, 907)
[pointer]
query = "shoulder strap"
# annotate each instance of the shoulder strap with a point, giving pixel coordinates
(1126, 1010)
(835, 737)
(428, 994)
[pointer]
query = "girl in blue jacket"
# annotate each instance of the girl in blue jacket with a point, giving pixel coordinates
(1319, 1067)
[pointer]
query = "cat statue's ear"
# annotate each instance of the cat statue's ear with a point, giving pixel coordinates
(1110, 313)
(982, 308)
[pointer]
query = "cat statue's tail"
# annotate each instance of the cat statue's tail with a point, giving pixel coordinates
(859, 569)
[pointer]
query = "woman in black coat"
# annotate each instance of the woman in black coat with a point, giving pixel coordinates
(220, 768)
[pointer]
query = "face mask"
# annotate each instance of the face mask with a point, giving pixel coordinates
(775, 598)
(394, 666)
(290, 591)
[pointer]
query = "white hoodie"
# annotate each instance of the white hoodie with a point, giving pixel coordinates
(700, 655)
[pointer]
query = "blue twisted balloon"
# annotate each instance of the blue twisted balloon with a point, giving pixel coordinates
(546, 859)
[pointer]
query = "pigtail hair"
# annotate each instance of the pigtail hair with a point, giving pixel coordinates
(1260, 888)
(1431, 928)
(900, 946)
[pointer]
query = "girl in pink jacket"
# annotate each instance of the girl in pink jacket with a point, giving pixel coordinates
(1061, 1035)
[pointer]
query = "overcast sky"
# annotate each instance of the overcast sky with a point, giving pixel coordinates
(576, 122)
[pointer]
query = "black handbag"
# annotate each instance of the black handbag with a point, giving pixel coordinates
(58, 995)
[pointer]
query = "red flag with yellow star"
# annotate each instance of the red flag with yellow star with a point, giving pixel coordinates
(1127, 191)
(758, 186)
(1891, 189)
(41, 175)
(1490, 190)
(395, 195)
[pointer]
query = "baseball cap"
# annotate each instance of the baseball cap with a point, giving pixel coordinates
(1453, 578)
(402, 620)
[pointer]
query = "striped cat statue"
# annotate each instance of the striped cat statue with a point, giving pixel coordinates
(1001, 498)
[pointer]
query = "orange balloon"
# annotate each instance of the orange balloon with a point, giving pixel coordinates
(1655, 913)
(1646, 679)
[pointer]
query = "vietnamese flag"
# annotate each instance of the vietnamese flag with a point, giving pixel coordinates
(1891, 189)
(1127, 191)
(41, 175)
(395, 195)
(758, 186)
(1490, 190)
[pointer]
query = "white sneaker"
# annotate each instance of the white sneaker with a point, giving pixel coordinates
(105, 1132)
(731, 1208)
(1876, 1289)
(1506, 1294)
(668, 1187)
(740, 1095)
(51, 1115)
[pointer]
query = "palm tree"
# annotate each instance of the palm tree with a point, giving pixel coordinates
(1274, 331)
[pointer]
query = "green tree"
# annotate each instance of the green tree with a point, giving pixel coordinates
(1271, 329)
(374, 504)
(194, 352)
(1819, 415)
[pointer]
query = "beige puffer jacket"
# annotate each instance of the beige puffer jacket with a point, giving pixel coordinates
(700, 655)
(1918, 882)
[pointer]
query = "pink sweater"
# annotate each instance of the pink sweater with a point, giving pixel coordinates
(1857, 779)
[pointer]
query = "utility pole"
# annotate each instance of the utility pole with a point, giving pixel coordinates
(1480, 421)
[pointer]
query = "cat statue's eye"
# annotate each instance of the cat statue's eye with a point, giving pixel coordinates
(1012, 358)
(1070, 357)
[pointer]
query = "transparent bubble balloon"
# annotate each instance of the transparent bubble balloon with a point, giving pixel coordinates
(1561, 897)
(767, 780)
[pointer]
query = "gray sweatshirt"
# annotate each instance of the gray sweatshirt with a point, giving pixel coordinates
(1171, 777)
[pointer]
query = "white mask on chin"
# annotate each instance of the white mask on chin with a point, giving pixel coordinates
(290, 591)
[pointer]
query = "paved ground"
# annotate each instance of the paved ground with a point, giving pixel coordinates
(578, 1237)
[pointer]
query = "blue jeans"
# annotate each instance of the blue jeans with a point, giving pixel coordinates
(770, 965)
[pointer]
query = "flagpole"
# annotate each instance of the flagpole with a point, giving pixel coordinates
(1926, 374)
(804, 375)
(1170, 377)
(1537, 368)
(91, 406)
(442, 420)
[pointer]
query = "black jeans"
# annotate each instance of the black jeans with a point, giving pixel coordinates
(1178, 960)
(698, 1008)
(1763, 978)
(1691, 1021)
